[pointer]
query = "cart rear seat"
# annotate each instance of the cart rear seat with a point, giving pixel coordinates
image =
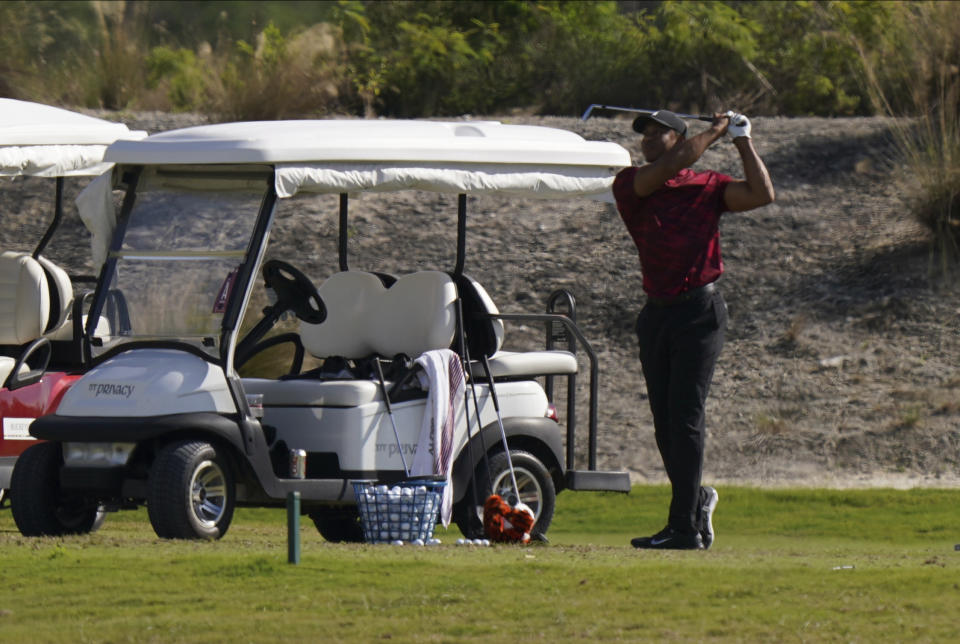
(35, 298)
(24, 299)
(486, 336)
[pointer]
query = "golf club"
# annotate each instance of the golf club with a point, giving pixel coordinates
(598, 106)
(515, 499)
(386, 399)
(465, 362)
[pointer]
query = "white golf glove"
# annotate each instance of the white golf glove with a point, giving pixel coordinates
(739, 125)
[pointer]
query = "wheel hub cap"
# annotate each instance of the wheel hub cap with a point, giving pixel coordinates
(208, 493)
(530, 493)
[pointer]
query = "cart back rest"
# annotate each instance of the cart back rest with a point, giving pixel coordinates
(484, 334)
(364, 318)
(61, 293)
(24, 298)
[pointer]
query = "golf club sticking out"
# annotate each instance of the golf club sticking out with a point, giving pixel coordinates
(515, 499)
(465, 363)
(386, 398)
(598, 106)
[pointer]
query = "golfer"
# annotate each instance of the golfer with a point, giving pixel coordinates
(673, 215)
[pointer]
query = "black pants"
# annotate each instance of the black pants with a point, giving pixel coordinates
(679, 347)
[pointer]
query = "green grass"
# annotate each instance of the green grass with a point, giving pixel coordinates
(788, 565)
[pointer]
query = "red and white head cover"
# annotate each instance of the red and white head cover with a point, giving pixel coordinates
(507, 524)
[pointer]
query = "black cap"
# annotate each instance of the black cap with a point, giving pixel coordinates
(664, 118)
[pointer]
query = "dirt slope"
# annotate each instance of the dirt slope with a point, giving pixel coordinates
(841, 362)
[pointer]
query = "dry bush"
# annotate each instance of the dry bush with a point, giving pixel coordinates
(917, 80)
(280, 76)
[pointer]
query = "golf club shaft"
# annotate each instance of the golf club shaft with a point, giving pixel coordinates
(586, 115)
(386, 399)
(467, 371)
(503, 431)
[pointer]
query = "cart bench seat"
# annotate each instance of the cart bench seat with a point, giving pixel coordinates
(415, 314)
(313, 393)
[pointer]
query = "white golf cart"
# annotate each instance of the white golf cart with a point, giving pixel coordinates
(163, 418)
(40, 352)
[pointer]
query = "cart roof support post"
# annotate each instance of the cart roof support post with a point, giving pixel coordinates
(461, 233)
(57, 217)
(343, 231)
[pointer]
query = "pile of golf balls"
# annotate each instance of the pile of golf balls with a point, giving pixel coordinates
(402, 513)
(417, 542)
(473, 542)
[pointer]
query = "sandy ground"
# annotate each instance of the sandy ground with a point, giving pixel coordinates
(841, 363)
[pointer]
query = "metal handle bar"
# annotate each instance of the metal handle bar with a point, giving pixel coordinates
(594, 370)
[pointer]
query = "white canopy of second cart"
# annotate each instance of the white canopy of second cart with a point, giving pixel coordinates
(45, 141)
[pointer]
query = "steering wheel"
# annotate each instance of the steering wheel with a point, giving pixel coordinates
(295, 292)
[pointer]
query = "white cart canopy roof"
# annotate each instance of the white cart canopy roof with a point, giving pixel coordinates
(40, 140)
(386, 155)
(352, 156)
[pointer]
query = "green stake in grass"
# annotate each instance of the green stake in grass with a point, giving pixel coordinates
(293, 527)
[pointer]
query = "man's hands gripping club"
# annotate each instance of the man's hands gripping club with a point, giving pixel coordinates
(739, 125)
(757, 189)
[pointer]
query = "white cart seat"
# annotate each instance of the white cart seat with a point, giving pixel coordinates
(510, 364)
(507, 364)
(24, 298)
(364, 318)
(313, 393)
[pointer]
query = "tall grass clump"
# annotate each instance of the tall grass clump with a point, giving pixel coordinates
(276, 76)
(916, 80)
(281, 75)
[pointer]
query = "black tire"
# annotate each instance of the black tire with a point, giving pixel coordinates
(191, 492)
(536, 490)
(338, 525)
(39, 506)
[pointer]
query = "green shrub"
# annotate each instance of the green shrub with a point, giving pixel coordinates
(697, 54)
(583, 53)
(433, 58)
(183, 76)
(439, 58)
